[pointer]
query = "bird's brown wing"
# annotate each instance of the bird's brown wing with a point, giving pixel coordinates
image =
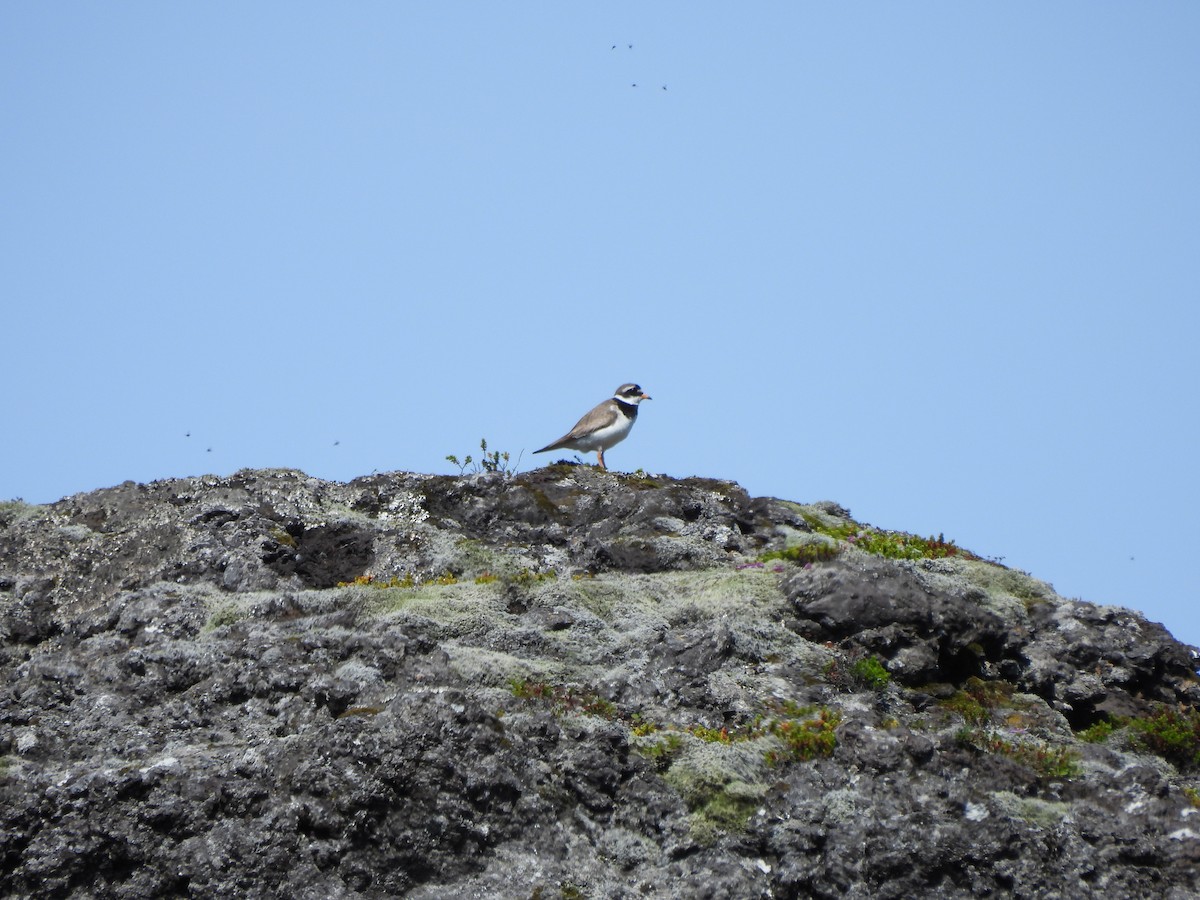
(601, 416)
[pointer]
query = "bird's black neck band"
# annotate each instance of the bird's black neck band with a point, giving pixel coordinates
(629, 409)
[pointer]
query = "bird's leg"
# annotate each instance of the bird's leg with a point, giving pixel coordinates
(600, 453)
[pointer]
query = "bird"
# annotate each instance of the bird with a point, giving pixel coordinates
(605, 426)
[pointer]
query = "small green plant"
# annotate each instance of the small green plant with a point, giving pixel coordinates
(563, 699)
(899, 545)
(525, 577)
(662, 749)
(1193, 796)
(491, 461)
(805, 739)
(978, 699)
(711, 735)
(1043, 759)
(369, 581)
(1173, 734)
(1098, 732)
(640, 726)
(870, 672)
(224, 615)
(803, 554)
(889, 544)
(639, 479)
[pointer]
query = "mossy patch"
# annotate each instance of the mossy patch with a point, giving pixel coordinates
(13, 511)
(1173, 734)
(446, 604)
(977, 702)
(563, 699)
(674, 596)
(995, 579)
(864, 673)
(879, 542)
(1043, 813)
(1044, 759)
(721, 786)
(1099, 732)
(818, 549)
(224, 615)
(662, 748)
(804, 735)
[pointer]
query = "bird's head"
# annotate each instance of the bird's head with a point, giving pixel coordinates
(630, 393)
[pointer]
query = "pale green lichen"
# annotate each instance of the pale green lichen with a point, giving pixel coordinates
(722, 784)
(13, 511)
(1043, 813)
(224, 615)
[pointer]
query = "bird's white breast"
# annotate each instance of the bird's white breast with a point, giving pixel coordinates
(608, 436)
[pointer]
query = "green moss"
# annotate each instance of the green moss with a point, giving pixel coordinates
(544, 503)
(728, 811)
(718, 800)
(369, 581)
(661, 750)
(803, 554)
(899, 545)
(805, 739)
(978, 699)
(641, 727)
(870, 672)
(1044, 759)
(526, 577)
(889, 544)
(996, 579)
(711, 735)
(16, 510)
(639, 480)
(563, 699)
(1099, 732)
(224, 615)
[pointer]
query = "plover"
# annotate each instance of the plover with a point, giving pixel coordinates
(606, 425)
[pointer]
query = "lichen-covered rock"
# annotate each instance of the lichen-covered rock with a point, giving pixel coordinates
(565, 683)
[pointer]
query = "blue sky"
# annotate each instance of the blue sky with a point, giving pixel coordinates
(935, 261)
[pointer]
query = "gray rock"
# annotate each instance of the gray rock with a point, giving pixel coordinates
(560, 683)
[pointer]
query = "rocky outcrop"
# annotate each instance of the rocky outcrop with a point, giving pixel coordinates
(566, 683)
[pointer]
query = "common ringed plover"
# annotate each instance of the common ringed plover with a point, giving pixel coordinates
(605, 426)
